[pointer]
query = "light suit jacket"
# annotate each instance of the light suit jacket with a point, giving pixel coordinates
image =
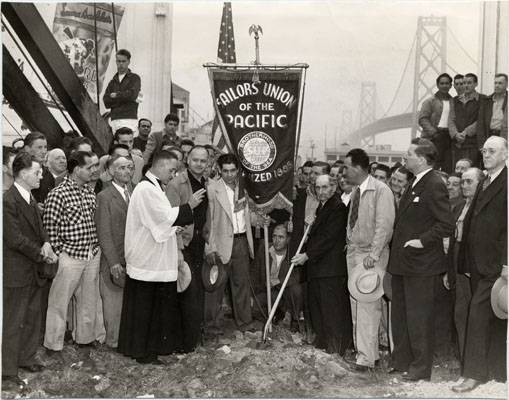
(220, 223)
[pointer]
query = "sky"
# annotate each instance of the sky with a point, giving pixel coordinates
(343, 42)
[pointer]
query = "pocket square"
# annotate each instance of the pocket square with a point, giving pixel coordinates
(416, 199)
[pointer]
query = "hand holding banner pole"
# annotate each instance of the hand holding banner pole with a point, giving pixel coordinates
(283, 286)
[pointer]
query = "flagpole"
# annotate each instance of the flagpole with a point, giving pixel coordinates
(114, 26)
(305, 67)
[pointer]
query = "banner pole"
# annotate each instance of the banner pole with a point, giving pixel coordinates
(267, 267)
(301, 106)
(114, 26)
(96, 58)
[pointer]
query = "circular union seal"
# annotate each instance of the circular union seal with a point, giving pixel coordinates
(257, 151)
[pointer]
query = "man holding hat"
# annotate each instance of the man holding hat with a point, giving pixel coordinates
(486, 244)
(369, 231)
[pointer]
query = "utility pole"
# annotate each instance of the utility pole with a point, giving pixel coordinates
(312, 147)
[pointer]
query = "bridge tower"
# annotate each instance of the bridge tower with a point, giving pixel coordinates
(430, 61)
(367, 110)
(346, 124)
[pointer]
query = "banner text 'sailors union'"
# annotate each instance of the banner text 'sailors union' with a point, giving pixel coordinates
(241, 90)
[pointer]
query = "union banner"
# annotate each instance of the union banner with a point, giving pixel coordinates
(259, 118)
(74, 28)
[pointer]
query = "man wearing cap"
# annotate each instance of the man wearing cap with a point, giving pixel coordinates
(417, 262)
(486, 244)
(326, 270)
(369, 231)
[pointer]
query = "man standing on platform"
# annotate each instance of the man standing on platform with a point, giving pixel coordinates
(486, 245)
(434, 121)
(150, 318)
(493, 112)
(179, 191)
(417, 261)
(122, 94)
(369, 231)
(463, 122)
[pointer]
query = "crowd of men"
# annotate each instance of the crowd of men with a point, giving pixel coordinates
(122, 249)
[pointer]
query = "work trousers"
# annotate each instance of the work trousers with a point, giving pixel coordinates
(78, 277)
(237, 271)
(21, 327)
(413, 322)
(485, 345)
(366, 316)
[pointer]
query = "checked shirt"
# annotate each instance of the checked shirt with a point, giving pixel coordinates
(69, 219)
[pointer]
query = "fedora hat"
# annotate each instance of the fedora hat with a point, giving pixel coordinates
(365, 285)
(499, 298)
(184, 277)
(387, 285)
(213, 276)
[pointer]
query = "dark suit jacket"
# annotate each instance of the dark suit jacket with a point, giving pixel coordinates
(423, 213)
(326, 242)
(452, 263)
(258, 273)
(24, 236)
(484, 121)
(110, 218)
(45, 186)
(487, 231)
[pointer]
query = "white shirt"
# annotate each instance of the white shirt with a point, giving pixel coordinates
(345, 198)
(364, 184)
(120, 77)
(23, 192)
(120, 189)
(151, 251)
(239, 222)
(494, 175)
(274, 272)
(445, 114)
(419, 176)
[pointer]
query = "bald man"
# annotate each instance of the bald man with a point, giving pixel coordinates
(57, 165)
(486, 244)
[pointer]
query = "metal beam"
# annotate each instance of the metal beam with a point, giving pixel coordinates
(45, 51)
(23, 98)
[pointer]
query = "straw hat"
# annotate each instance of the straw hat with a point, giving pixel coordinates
(184, 277)
(365, 285)
(499, 298)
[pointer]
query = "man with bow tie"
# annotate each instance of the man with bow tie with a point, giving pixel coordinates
(26, 247)
(417, 261)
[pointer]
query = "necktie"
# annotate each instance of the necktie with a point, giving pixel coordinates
(486, 182)
(319, 208)
(127, 196)
(354, 213)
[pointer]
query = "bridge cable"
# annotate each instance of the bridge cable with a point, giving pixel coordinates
(12, 126)
(461, 47)
(402, 77)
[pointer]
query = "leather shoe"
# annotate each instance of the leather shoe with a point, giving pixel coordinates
(33, 367)
(412, 378)
(466, 386)
(393, 371)
(353, 366)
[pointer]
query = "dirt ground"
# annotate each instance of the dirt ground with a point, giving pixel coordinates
(235, 365)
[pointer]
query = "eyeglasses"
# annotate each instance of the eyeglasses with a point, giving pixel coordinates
(487, 151)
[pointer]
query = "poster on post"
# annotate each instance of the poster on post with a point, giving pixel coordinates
(79, 28)
(259, 114)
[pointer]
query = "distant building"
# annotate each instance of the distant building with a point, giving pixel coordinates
(181, 102)
(382, 153)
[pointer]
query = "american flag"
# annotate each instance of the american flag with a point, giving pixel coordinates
(225, 54)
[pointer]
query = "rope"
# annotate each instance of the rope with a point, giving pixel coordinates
(12, 126)
(402, 77)
(461, 47)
